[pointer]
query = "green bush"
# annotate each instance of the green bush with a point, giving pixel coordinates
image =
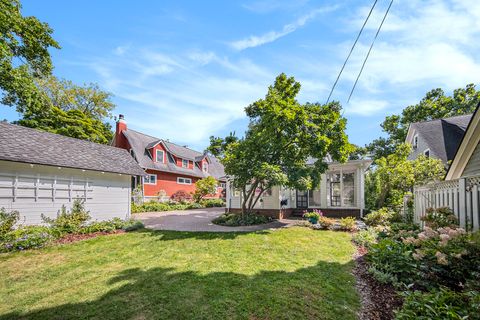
(234, 220)
(326, 223)
(440, 217)
(348, 224)
(381, 217)
(111, 226)
(210, 203)
(440, 304)
(366, 238)
(26, 237)
(69, 221)
(7, 221)
(133, 225)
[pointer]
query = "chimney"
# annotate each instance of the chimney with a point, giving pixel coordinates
(120, 140)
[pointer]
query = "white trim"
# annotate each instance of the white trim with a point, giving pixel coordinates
(163, 155)
(184, 180)
(188, 163)
(415, 141)
(205, 166)
(150, 176)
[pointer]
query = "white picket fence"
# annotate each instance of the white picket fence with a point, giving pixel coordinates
(462, 196)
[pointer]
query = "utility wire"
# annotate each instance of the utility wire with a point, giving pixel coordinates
(369, 50)
(351, 50)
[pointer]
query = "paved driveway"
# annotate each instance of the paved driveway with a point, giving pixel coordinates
(197, 220)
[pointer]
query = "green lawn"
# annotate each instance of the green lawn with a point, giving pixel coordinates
(294, 273)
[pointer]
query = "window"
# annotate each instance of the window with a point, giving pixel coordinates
(348, 191)
(334, 196)
(314, 197)
(150, 179)
(160, 156)
(184, 180)
(223, 185)
(185, 163)
(204, 166)
(427, 153)
(415, 141)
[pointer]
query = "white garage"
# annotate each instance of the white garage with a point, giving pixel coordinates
(40, 172)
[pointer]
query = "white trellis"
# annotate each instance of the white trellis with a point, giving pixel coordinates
(461, 195)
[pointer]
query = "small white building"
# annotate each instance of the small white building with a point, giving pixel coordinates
(41, 171)
(340, 194)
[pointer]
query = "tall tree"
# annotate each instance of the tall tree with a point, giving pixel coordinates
(281, 136)
(24, 57)
(435, 105)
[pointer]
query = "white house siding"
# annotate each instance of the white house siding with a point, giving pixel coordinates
(473, 165)
(36, 189)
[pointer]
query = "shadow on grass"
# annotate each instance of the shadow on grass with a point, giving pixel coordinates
(323, 291)
(167, 235)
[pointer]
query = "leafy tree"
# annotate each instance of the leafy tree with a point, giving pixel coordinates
(24, 57)
(218, 145)
(281, 136)
(394, 177)
(204, 187)
(72, 123)
(66, 95)
(435, 105)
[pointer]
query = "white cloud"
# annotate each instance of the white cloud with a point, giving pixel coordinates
(366, 107)
(255, 41)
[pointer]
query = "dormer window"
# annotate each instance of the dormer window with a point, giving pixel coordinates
(160, 156)
(185, 163)
(415, 141)
(427, 153)
(205, 166)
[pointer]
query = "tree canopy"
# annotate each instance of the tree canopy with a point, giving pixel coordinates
(24, 57)
(282, 135)
(204, 187)
(435, 105)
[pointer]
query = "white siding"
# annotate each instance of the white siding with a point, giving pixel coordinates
(37, 189)
(473, 165)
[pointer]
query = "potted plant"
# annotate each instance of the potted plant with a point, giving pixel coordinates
(313, 216)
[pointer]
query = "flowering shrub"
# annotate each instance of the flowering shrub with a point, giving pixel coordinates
(441, 217)
(27, 237)
(7, 220)
(314, 215)
(181, 196)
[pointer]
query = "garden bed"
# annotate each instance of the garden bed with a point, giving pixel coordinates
(69, 238)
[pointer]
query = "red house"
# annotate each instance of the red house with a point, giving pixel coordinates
(169, 167)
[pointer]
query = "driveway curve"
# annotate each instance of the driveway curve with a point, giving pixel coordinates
(198, 220)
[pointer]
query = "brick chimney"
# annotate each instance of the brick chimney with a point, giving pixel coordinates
(120, 140)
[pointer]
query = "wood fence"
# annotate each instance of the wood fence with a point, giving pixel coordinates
(462, 196)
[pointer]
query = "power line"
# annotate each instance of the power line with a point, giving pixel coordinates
(369, 50)
(351, 50)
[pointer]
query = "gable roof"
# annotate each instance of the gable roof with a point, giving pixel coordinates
(442, 136)
(140, 143)
(27, 145)
(469, 142)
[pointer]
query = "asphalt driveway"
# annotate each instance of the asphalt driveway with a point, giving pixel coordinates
(197, 220)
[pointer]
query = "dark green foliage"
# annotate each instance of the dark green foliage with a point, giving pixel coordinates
(133, 225)
(24, 57)
(210, 203)
(440, 304)
(7, 221)
(234, 220)
(69, 221)
(154, 206)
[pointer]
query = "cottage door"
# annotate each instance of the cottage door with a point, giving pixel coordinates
(302, 199)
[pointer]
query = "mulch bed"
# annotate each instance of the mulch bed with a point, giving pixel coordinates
(377, 300)
(69, 238)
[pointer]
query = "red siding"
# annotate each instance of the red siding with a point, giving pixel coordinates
(154, 152)
(168, 182)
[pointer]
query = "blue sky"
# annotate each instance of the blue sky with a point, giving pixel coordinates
(185, 70)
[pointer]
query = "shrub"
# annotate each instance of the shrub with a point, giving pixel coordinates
(193, 205)
(348, 224)
(7, 221)
(366, 238)
(441, 217)
(312, 216)
(181, 196)
(440, 304)
(381, 217)
(326, 223)
(233, 220)
(27, 237)
(133, 225)
(210, 203)
(69, 221)
(204, 187)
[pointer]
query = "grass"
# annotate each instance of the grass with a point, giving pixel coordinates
(294, 273)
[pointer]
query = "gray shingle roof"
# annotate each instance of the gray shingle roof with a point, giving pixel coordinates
(443, 136)
(140, 143)
(29, 145)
